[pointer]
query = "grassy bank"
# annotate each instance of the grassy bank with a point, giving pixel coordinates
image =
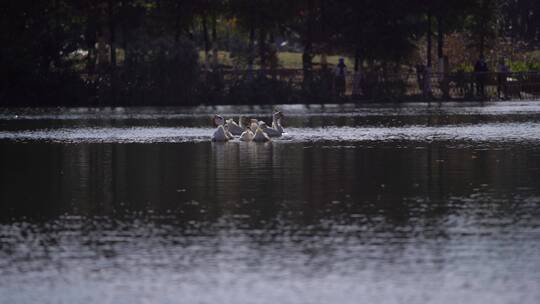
(286, 60)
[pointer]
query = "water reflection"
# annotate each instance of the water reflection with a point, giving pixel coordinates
(385, 220)
(105, 179)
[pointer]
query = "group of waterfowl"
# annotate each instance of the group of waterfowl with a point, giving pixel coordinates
(247, 129)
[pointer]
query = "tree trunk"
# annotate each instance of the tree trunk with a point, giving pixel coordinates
(307, 56)
(262, 48)
(91, 39)
(112, 33)
(177, 20)
(251, 45)
(357, 59)
(192, 28)
(112, 45)
(251, 55)
(440, 37)
(324, 34)
(206, 40)
(125, 40)
(429, 38)
(483, 25)
(482, 37)
(214, 41)
(214, 29)
(272, 56)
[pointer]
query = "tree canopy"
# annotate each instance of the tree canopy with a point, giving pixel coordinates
(110, 45)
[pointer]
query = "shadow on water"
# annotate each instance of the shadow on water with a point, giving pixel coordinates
(300, 181)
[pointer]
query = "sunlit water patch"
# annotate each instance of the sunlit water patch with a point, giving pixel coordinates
(460, 258)
(476, 132)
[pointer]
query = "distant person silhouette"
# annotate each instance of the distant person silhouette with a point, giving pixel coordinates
(339, 77)
(480, 70)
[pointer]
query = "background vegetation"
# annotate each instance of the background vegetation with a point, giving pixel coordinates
(175, 52)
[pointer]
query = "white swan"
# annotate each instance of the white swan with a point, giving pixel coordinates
(260, 136)
(234, 128)
(276, 130)
(218, 120)
(222, 132)
(247, 135)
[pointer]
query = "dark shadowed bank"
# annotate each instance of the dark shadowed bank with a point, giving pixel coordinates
(158, 72)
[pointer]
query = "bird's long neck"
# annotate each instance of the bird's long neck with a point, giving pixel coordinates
(221, 131)
(219, 122)
(276, 124)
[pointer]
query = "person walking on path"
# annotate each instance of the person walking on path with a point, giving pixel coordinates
(481, 70)
(339, 78)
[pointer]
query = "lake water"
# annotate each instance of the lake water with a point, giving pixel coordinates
(410, 203)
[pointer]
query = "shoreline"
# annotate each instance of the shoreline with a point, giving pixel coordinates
(341, 101)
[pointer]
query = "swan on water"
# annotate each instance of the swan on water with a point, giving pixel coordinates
(247, 135)
(221, 133)
(234, 128)
(260, 136)
(276, 130)
(249, 130)
(218, 120)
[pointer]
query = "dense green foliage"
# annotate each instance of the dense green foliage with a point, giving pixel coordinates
(131, 52)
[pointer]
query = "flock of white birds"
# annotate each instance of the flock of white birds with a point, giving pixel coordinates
(248, 129)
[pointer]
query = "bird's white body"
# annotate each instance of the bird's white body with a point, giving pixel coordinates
(247, 135)
(234, 128)
(256, 131)
(260, 136)
(272, 132)
(221, 135)
(276, 130)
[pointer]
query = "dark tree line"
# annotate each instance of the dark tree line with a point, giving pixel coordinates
(147, 51)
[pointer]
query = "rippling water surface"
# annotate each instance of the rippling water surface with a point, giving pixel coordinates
(411, 203)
